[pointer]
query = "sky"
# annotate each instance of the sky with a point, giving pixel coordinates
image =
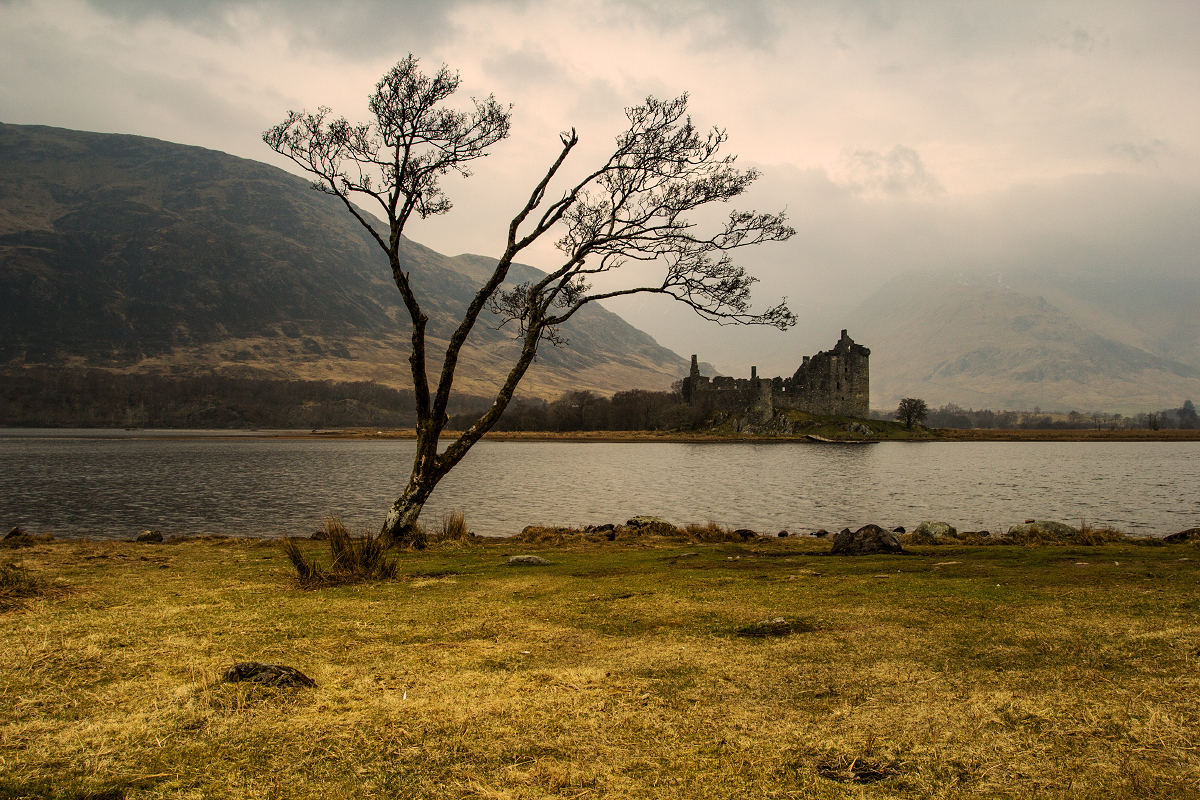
(959, 136)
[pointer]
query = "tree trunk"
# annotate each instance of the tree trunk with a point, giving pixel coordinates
(399, 526)
(429, 467)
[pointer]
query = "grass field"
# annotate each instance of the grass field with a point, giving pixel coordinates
(617, 670)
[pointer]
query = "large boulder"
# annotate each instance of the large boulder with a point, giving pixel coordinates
(867, 540)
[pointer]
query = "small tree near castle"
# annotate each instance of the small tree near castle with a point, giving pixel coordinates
(910, 410)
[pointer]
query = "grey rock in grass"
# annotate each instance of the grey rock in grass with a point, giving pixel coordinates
(1045, 526)
(867, 540)
(745, 533)
(532, 560)
(938, 530)
(1190, 535)
(267, 674)
(608, 526)
(642, 523)
(152, 537)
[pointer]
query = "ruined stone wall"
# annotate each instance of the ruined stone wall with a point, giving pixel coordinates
(833, 382)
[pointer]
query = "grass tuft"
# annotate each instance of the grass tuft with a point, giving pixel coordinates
(18, 584)
(351, 559)
(710, 532)
(452, 531)
(540, 534)
(1096, 536)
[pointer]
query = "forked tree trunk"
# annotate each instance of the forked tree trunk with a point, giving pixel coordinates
(401, 520)
(429, 466)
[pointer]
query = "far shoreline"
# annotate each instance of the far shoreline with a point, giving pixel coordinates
(677, 437)
(665, 437)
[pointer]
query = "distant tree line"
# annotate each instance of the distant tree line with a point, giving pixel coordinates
(63, 398)
(955, 416)
(47, 397)
(633, 410)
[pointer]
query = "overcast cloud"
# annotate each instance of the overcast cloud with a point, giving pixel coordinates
(898, 135)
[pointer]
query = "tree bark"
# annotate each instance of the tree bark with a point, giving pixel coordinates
(399, 527)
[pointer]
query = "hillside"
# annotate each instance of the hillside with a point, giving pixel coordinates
(1005, 345)
(139, 255)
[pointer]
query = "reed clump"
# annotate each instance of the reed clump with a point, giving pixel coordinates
(710, 532)
(452, 531)
(18, 584)
(351, 559)
(546, 535)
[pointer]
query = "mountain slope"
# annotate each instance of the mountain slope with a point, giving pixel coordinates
(140, 255)
(987, 346)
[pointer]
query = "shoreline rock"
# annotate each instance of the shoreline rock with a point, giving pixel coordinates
(867, 540)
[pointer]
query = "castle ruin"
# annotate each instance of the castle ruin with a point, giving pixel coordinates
(833, 382)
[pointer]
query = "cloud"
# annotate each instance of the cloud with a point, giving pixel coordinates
(1139, 153)
(356, 29)
(898, 135)
(897, 174)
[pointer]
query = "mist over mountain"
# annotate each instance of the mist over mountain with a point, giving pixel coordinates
(139, 255)
(1034, 338)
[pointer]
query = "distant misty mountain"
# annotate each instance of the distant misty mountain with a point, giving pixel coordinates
(1026, 339)
(134, 254)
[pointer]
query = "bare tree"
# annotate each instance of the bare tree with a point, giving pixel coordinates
(910, 410)
(632, 208)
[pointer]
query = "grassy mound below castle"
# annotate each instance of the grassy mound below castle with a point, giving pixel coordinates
(789, 422)
(640, 667)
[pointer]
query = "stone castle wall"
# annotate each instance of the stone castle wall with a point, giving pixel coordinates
(833, 382)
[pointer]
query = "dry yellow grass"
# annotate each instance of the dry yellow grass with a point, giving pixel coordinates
(615, 671)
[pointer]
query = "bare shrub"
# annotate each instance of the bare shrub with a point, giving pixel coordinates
(351, 559)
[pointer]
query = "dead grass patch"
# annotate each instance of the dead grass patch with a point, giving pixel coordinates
(613, 674)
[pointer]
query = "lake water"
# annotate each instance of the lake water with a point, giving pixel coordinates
(114, 484)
